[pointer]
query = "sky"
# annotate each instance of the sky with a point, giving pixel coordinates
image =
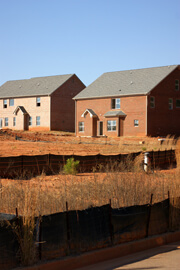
(86, 37)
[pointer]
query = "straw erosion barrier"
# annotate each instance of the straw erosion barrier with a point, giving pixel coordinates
(78, 213)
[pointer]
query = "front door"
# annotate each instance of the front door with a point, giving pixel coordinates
(1, 122)
(101, 128)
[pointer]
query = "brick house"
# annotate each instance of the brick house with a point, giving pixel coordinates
(43, 103)
(131, 103)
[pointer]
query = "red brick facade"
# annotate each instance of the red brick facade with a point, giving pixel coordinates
(140, 118)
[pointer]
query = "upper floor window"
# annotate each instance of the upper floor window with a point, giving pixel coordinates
(111, 125)
(5, 103)
(38, 101)
(170, 103)
(11, 102)
(177, 103)
(152, 102)
(176, 85)
(115, 103)
(14, 121)
(81, 126)
(30, 120)
(136, 123)
(6, 122)
(38, 120)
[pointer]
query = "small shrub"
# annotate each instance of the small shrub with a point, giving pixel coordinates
(71, 166)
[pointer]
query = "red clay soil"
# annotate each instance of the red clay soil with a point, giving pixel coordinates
(15, 143)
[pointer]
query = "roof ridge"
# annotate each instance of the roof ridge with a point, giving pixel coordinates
(140, 69)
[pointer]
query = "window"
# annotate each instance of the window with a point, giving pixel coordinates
(11, 102)
(115, 103)
(6, 122)
(136, 123)
(152, 102)
(5, 103)
(81, 126)
(170, 103)
(30, 120)
(38, 119)
(176, 85)
(111, 125)
(14, 121)
(38, 101)
(177, 103)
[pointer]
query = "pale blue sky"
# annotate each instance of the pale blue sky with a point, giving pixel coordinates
(86, 37)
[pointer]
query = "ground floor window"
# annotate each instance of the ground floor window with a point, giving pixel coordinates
(111, 125)
(38, 120)
(30, 120)
(6, 122)
(14, 121)
(81, 126)
(177, 103)
(136, 123)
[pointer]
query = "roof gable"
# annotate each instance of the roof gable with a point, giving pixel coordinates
(128, 82)
(40, 86)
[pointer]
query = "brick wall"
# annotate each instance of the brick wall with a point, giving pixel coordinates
(161, 120)
(63, 106)
(133, 107)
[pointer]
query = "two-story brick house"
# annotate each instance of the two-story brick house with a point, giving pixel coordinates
(43, 103)
(130, 103)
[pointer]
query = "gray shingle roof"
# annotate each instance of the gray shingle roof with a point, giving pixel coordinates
(40, 86)
(114, 113)
(128, 82)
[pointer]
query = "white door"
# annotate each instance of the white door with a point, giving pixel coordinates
(1, 122)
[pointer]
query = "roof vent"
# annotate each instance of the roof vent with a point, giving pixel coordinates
(38, 84)
(131, 82)
(19, 86)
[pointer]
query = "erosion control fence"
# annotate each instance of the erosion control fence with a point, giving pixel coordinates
(74, 232)
(27, 166)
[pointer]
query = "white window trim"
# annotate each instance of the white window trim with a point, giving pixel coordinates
(81, 125)
(38, 121)
(116, 103)
(11, 100)
(136, 123)
(112, 125)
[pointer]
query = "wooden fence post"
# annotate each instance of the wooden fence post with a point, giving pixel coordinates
(110, 222)
(67, 226)
(149, 216)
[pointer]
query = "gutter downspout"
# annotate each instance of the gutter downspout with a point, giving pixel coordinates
(146, 112)
(75, 117)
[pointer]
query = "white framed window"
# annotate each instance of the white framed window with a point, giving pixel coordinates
(177, 103)
(81, 126)
(30, 120)
(11, 102)
(136, 123)
(38, 120)
(170, 103)
(152, 102)
(111, 125)
(177, 85)
(115, 103)
(6, 122)
(5, 103)
(38, 101)
(14, 121)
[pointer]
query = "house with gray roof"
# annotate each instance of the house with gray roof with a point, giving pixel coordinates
(43, 103)
(140, 102)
